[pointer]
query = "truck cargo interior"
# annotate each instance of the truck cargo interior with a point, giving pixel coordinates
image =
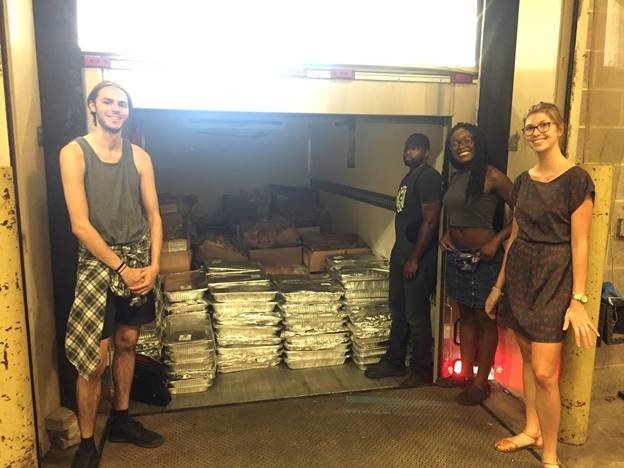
(276, 132)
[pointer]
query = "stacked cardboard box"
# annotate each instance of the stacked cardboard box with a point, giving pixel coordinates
(318, 247)
(176, 252)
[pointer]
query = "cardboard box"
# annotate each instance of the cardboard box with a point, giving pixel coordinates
(278, 256)
(175, 262)
(210, 250)
(176, 245)
(315, 259)
(185, 281)
(174, 226)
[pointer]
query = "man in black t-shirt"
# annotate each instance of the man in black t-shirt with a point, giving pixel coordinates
(413, 268)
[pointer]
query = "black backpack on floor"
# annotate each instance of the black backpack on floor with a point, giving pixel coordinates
(150, 382)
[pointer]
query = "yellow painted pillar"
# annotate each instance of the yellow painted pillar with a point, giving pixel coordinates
(577, 364)
(17, 427)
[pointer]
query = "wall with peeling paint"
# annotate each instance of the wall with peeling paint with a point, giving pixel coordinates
(17, 431)
(23, 89)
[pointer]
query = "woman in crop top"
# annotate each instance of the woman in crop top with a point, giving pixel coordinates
(473, 253)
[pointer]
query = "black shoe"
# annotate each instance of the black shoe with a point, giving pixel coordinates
(454, 380)
(417, 379)
(129, 430)
(384, 369)
(85, 458)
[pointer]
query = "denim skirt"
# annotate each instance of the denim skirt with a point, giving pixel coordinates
(471, 288)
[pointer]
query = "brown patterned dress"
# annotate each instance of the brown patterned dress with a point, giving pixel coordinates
(538, 275)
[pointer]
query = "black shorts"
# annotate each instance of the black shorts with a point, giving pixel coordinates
(119, 310)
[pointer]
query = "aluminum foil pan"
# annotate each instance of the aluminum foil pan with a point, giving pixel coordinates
(258, 279)
(194, 389)
(243, 357)
(179, 352)
(375, 293)
(187, 375)
(313, 318)
(249, 350)
(251, 294)
(325, 323)
(242, 307)
(186, 383)
(336, 351)
(366, 285)
(362, 352)
(249, 341)
(186, 306)
(289, 335)
(310, 363)
(370, 343)
(226, 368)
(363, 364)
(366, 302)
(320, 341)
(247, 318)
(310, 307)
(204, 364)
(341, 261)
(312, 296)
(181, 296)
(303, 329)
(187, 286)
(216, 268)
(360, 332)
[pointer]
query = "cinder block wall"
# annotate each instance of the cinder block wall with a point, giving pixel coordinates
(601, 134)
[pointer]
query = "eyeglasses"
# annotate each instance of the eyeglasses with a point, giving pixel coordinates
(542, 127)
(454, 144)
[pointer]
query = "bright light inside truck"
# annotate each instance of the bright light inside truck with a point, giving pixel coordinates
(244, 36)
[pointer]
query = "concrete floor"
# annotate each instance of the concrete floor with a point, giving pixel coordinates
(416, 427)
(383, 428)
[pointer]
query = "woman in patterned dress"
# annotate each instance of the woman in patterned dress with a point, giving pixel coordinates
(544, 273)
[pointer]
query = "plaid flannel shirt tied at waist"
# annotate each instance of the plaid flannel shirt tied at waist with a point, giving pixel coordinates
(86, 317)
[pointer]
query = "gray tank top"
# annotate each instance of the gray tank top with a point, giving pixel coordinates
(475, 213)
(114, 196)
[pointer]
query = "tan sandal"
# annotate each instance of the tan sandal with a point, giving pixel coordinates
(547, 464)
(507, 445)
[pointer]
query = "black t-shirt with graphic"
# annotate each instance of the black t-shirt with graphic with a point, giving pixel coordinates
(422, 185)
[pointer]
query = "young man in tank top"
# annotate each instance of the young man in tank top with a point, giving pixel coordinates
(413, 268)
(113, 208)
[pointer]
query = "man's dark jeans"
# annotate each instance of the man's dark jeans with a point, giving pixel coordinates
(410, 304)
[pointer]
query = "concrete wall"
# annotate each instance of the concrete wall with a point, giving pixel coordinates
(540, 66)
(33, 213)
(601, 129)
(378, 167)
(224, 153)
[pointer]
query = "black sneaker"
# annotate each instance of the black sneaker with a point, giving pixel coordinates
(85, 458)
(129, 430)
(384, 369)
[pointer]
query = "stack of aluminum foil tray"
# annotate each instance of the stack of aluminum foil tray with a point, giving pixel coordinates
(365, 281)
(315, 334)
(188, 340)
(247, 326)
